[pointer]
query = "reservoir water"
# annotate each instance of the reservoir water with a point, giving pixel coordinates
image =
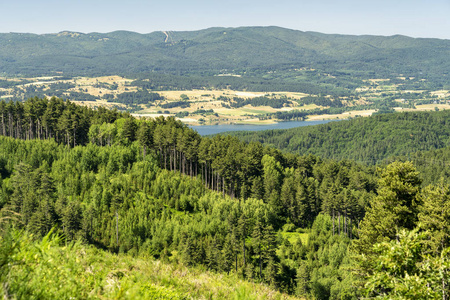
(214, 129)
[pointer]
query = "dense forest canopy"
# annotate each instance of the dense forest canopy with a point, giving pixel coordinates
(305, 225)
(367, 140)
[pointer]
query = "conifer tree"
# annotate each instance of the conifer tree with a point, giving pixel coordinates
(395, 208)
(434, 215)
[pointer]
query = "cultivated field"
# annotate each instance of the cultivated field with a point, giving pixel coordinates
(215, 106)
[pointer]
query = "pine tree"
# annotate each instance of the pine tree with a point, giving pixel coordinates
(129, 130)
(270, 257)
(434, 215)
(395, 208)
(71, 220)
(303, 280)
(227, 254)
(257, 241)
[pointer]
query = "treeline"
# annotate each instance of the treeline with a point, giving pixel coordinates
(61, 120)
(172, 104)
(322, 101)
(141, 96)
(163, 81)
(300, 115)
(369, 140)
(258, 101)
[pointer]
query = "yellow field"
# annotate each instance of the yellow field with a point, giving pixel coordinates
(346, 115)
(425, 107)
(105, 79)
(441, 93)
(203, 95)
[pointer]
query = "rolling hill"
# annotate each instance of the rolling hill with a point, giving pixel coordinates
(368, 140)
(219, 50)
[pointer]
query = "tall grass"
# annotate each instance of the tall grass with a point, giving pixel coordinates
(50, 269)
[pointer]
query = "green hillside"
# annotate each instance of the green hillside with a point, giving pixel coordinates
(213, 50)
(434, 165)
(367, 140)
(51, 269)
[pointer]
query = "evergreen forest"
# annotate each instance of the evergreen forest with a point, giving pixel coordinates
(368, 140)
(99, 204)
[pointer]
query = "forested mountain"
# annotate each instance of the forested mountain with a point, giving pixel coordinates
(213, 50)
(308, 226)
(367, 140)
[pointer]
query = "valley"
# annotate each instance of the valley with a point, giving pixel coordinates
(111, 189)
(209, 106)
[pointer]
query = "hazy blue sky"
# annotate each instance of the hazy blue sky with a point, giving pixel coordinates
(416, 18)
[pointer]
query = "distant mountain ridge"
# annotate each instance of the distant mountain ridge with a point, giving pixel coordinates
(216, 49)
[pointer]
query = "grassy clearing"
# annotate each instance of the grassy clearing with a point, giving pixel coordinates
(49, 270)
(309, 107)
(442, 93)
(294, 236)
(425, 107)
(257, 110)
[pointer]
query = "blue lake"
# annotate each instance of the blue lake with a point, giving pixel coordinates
(214, 129)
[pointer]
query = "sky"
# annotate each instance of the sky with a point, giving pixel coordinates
(415, 18)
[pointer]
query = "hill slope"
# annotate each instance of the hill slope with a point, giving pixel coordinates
(363, 139)
(47, 270)
(215, 49)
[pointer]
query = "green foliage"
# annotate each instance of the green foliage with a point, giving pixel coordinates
(258, 101)
(322, 265)
(434, 215)
(404, 270)
(395, 208)
(138, 97)
(397, 257)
